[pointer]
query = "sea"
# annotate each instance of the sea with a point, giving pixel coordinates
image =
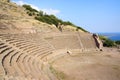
(112, 36)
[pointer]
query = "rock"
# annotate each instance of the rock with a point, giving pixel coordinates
(99, 43)
(69, 52)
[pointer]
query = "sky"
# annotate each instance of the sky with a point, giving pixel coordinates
(93, 15)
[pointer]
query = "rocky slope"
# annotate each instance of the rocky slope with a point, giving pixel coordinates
(15, 18)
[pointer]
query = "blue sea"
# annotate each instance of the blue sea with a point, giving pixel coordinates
(112, 36)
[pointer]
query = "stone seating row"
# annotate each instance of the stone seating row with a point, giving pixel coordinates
(22, 59)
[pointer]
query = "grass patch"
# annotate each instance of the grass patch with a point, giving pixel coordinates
(60, 75)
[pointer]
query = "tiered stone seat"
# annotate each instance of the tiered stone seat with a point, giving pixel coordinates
(3, 54)
(2, 71)
(7, 52)
(16, 66)
(15, 78)
(24, 55)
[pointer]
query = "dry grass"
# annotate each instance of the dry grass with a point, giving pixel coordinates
(59, 74)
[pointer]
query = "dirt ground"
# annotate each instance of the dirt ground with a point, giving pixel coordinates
(103, 65)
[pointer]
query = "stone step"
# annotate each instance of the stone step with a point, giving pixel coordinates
(28, 67)
(33, 53)
(8, 40)
(15, 65)
(33, 50)
(3, 54)
(34, 67)
(17, 42)
(43, 53)
(2, 71)
(7, 62)
(26, 61)
(1, 43)
(22, 44)
(36, 63)
(22, 65)
(12, 56)
(3, 46)
(27, 46)
(40, 50)
(36, 73)
(15, 78)
(24, 69)
(4, 49)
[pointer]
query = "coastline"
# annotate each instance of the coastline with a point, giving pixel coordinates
(112, 36)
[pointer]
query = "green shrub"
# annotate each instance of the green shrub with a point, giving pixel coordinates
(67, 23)
(29, 8)
(108, 43)
(30, 14)
(40, 13)
(80, 28)
(102, 37)
(117, 42)
(49, 19)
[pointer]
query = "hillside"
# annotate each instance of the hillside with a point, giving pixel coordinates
(18, 19)
(43, 47)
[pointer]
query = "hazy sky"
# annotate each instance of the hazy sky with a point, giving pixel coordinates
(92, 15)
